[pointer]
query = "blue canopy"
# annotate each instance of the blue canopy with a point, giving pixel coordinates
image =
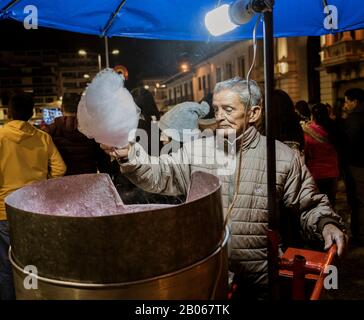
(179, 19)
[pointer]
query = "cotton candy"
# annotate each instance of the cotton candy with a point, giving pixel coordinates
(107, 111)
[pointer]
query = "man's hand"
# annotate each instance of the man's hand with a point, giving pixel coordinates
(116, 153)
(332, 234)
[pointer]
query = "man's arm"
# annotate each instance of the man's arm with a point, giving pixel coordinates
(167, 174)
(318, 220)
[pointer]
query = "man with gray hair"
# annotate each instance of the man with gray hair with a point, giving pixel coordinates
(238, 109)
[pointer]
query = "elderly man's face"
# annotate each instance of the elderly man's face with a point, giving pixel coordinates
(229, 112)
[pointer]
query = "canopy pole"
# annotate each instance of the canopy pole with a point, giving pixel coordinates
(8, 6)
(106, 29)
(270, 118)
(106, 52)
(99, 61)
(273, 218)
(110, 22)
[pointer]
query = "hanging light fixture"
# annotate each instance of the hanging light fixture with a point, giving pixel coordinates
(226, 18)
(218, 21)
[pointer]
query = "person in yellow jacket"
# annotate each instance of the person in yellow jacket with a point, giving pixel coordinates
(27, 155)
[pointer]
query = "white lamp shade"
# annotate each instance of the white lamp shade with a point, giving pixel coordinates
(218, 21)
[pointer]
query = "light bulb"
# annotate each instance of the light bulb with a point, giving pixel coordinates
(218, 21)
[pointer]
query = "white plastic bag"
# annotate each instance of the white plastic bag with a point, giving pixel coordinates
(107, 111)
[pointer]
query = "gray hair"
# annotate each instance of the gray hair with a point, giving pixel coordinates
(240, 86)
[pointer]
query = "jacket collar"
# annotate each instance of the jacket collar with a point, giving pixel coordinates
(249, 139)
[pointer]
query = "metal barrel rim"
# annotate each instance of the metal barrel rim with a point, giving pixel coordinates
(121, 284)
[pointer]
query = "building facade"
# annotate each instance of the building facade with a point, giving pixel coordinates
(46, 74)
(308, 68)
(158, 90)
(76, 71)
(35, 72)
(342, 64)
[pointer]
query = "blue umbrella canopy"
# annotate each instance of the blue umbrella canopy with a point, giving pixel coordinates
(180, 19)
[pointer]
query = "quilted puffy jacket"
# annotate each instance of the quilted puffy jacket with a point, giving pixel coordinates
(296, 190)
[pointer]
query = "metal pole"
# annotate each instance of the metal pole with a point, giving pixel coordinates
(106, 52)
(99, 61)
(273, 221)
(270, 117)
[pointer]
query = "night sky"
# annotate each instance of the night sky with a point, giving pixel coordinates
(142, 58)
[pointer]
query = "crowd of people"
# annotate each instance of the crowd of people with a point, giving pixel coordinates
(330, 142)
(314, 149)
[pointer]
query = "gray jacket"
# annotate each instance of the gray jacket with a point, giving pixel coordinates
(170, 174)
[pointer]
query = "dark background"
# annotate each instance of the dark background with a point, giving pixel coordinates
(142, 58)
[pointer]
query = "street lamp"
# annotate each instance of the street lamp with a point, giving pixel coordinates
(184, 67)
(82, 52)
(114, 52)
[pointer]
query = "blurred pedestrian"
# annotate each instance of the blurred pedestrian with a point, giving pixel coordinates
(287, 125)
(81, 154)
(27, 155)
(354, 179)
(320, 151)
(148, 120)
(303, 110)
(289, 131)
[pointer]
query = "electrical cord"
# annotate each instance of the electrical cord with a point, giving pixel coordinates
(237, 180)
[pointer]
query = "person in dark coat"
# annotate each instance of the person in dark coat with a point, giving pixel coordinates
(149, 115)
(81, 154)
(354, 173)
(287, 125)
(289, 131)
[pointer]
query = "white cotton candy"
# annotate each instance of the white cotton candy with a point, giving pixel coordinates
(107, 111)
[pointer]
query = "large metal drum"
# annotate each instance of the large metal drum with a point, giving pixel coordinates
(85, 244)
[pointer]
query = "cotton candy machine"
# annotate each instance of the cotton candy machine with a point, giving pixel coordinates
(86, 244)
